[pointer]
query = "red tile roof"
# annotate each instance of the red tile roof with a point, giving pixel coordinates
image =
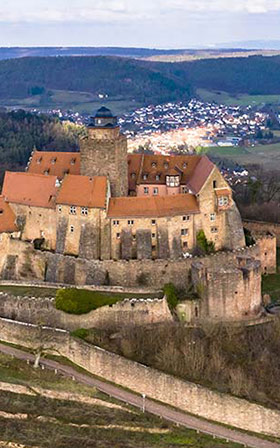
(200, 174)
(30, 189)
(155, 206)
(83, 191)
(7, 218)
(156, 167)
(54, 163)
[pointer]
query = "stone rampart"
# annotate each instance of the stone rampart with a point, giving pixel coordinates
(42, 311)
(263, 227)
(19, 261)
(181, 394)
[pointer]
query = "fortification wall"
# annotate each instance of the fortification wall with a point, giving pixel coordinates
(42, 311)
(19, 261)
(144, 380)
(263, 227)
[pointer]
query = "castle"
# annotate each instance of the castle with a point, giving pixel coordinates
(103, 216)
(104, 204)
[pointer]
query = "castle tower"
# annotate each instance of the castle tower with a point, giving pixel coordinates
(104, 152)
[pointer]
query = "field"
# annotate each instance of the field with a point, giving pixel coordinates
(267, 156)
(238, 99)
(41, 409)
(82, 102)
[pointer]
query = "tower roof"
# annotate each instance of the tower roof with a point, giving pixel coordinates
(104, 112)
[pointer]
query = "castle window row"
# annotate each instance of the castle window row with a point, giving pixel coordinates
(173, 181)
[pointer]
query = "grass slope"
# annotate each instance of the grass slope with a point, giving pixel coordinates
(43, 421)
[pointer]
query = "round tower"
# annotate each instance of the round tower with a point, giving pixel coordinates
(104, 151)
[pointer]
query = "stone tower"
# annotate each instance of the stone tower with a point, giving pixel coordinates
(104, 152)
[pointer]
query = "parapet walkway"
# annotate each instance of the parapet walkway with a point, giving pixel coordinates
(146, 404)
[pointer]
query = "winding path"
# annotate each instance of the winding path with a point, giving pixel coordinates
(166, 412)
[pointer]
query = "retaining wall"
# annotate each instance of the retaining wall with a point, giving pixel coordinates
(181, 394)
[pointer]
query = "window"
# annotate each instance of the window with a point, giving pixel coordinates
(214, 230)
(145, 176)
(39, 160)
(118, 236)
(223, 201)
(146, 190)
(154, 164)
(73, 210)
(214, 184)
(166, 165)
(185, 165)
(73, 161)
(153, 235)
(186, 218)
(59, 208)
(133, 175)
(185, 190)
(154, 248)
(153, 222)
(158, 177)
(116, 223)
(185, 245)
(72, 229)
(66, 172)
(46, 172)
(184, 232)
(54, 160)
(155, 191)
(84, 211)
(212, 217)
(130, 222)
(172, 181)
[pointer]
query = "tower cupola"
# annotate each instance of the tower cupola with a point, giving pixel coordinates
(104, 119)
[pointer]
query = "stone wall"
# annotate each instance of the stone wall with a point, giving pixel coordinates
(42, 310)
(261, 227)
(181, 394)
(19, 261)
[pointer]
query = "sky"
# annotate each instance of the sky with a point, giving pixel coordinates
(139, 23)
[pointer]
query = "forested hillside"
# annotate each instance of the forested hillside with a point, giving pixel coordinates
(20, 132)
(117, 77)
(141, 81)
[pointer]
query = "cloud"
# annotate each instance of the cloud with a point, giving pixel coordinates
(40, 11)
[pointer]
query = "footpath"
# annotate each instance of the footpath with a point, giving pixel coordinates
(147, 405)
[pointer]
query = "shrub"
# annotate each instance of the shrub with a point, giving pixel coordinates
(208, 247)
(81, 301)
(171, 294)
(81, 333)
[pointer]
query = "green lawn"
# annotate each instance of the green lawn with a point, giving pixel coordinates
(221, 97)
(267, 156)
(55, 421)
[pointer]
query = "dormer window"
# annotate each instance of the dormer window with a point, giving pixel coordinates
(39, 160)
(166, 165)
(154, 164)
(214, 184)
(145, 176)
(53, 160)
(66, 172)
(73, 161)
(173, 181)
(46, 172)
(158, 177)
(223, 201)
(133, 175)
(185, 165)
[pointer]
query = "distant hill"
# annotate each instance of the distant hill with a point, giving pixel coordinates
(116, 77)
(20, 52)
(48, 81)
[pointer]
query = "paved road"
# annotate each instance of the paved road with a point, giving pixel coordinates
(150, 406)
